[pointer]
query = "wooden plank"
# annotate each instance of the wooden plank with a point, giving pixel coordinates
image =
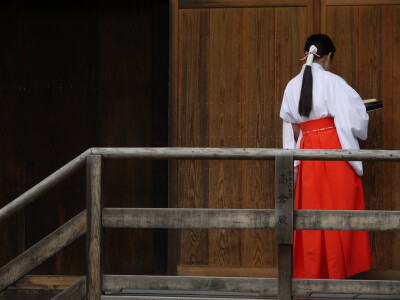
(183, 297)
(263, 286)
(243, 153)
(285, 271)
(362, 2)
(347, 220)
(75, 292)
(43, 250)
(371, 83)
(343, 28)
(172, 128)
(188, 218)
(259, 78)
(43, 186)
(94, 227)
(225, 178)
(373, 287)
(238, 3)
(58, 282)
(249, 219)
(284, 205)
(15, 294)
(284, 199)
(193, 130)
(224, 284)
(395, 134)
(227, 271)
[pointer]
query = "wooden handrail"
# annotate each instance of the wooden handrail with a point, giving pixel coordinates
(43, 250)
(43, 186)
(203, 218)
(74, 292)
(190, 153)
(183, 153)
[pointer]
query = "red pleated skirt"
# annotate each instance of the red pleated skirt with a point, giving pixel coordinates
(330, 185)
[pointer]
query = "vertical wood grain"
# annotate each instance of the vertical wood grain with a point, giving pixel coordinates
(257, 246)
(344, 32)
(193, 125)
(371, 85)
(94, 228)
(395, 124)
(225, 127)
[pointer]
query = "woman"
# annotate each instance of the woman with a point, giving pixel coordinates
(321, 111)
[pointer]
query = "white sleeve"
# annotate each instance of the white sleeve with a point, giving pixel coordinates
(351, 118)
(288, 136)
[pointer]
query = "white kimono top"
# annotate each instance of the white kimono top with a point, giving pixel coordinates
(332, 96)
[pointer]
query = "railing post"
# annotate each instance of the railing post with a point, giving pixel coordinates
(284, 194)
(94, 227)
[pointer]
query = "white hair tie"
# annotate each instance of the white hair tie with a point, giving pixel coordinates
(310, 55)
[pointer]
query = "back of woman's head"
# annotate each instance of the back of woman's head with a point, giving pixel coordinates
(324, 46)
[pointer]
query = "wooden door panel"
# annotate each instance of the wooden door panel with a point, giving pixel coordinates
(233, 65)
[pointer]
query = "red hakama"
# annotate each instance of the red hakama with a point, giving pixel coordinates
(330, 185)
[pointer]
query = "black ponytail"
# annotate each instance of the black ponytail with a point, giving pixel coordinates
(325, 46)
(305, 104)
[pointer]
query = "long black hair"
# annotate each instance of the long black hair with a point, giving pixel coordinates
(324, 45)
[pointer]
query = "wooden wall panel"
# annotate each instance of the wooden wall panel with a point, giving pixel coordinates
(256, 247)
(365, 37)
(248, 65)
(193, 125)
(393, 132)
(225, 127)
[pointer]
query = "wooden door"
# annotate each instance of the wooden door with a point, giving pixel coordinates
(230, 63)
(367, 37)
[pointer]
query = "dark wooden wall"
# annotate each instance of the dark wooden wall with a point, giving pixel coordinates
(74, 75)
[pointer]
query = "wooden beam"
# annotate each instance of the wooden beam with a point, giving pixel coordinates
(244, 154)
(370, 220)
(183, 297)
(284, 205)
(373, 287)
(43, 186)
(188, 218)
(46, 282)
(362, 2)
(284, 195)
(263, 286)
(218, 271)
(239, 3)
(43, 250)
(94, 227)
(75, 292)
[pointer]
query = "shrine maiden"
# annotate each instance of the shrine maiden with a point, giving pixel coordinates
(321, 111)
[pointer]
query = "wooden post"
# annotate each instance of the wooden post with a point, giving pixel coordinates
(284, 194)
(94, 228)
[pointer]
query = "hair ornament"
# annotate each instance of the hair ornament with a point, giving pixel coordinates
(310, 55)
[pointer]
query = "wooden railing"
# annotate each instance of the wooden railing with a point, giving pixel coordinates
(283, 219)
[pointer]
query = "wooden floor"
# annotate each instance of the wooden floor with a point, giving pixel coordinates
(35, 294)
